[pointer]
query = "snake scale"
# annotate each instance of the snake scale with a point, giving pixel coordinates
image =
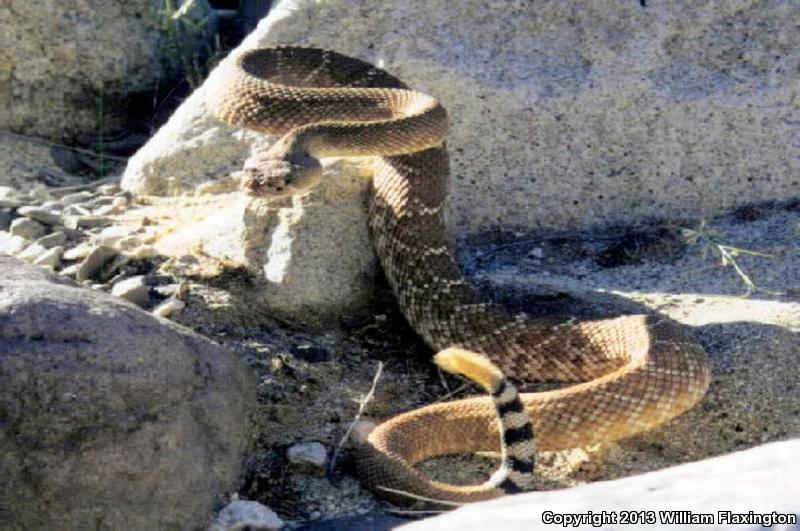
(630, 373)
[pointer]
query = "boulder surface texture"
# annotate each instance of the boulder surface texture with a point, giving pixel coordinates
(563, 116)
(110, 417)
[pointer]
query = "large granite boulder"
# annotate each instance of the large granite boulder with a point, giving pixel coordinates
(563, 116)
(66, 67)
(109, 417)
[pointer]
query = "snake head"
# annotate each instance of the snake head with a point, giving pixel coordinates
(279, 177)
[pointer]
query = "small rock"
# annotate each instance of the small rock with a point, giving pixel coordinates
(40, 214)
(312, 455)
(536, 252)
(77, 197)
(108, 189)
(6, 192)
(70, 271)
(32, 252)
(120, 202)
(171, 290)
(133, 289)
(76, 253)
(87, 222)
(51, 258)
(105, 210)
(129, 243)
(6, 217)
(112, 235)
(77, 210)
(361, 431)
(53, 240)
(51, 205)
(94, 262)
(10, 203)
(169, 307)
(142, 252)
(244, 514)
(27, 228)
(102, 201)
(11, 244)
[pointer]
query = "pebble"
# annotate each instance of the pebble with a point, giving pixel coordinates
(27, 228)
(120, 202)
(102, 201)
(133, 289)
(87, 222)
(112, 235)
(310, 455)
(42, 215)
(6, 192)
(105, 210)
(169, 307)
(77, 197)
(94, 262)
(108, 189)
(51, 258)
(128, 243)
(536, 252)
(171, 290)
(142, 252)
(53, 239)
(70, 271)
(76, 253)
(11, 244)
(245, 514)
(361, 431)
(10, 203)
(32, 252)
(77, 210)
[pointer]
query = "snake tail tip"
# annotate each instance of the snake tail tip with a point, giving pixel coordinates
(471, 364)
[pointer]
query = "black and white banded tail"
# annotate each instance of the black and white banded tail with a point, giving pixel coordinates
(516, 431)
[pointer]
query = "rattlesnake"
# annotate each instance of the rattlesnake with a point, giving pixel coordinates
(637, 371)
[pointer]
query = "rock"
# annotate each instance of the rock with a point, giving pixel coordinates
(87, 222)
(10, 203)
(77, 197)
(53, 239)
(42, 215)
(110, 415)
(133, 289)
(361, 431)
(108, 189)
(70, 271)
(112, 235)
(243, 514)
(607, 117)
(760, 480)
(68, 62)
(94, 262)
(80, 251)
(50, 258)
(310, 456)
(169, 307)
(32, 252)
(11, 244)
(27, 228)
(143, 251)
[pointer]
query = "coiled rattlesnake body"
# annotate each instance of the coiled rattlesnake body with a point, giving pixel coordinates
(636, 371)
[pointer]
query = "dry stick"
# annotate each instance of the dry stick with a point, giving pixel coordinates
(420, 498)
(362, 404)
